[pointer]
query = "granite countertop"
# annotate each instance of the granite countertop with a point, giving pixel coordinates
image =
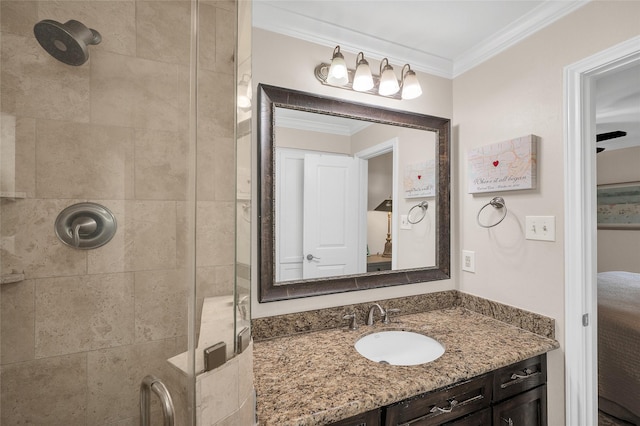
(318, 378)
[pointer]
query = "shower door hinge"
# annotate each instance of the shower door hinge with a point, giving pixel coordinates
(585, 320)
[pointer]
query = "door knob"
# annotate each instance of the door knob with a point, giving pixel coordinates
(311, 257)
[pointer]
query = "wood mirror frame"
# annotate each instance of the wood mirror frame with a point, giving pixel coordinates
(270, 97)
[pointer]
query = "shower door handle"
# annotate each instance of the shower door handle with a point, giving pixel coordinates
(152, 383)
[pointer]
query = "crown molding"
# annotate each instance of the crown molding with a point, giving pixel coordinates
(282, 21)
(530, 23)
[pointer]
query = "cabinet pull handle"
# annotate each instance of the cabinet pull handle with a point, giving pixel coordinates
(517, 377)
(452, 404)
(507, 421)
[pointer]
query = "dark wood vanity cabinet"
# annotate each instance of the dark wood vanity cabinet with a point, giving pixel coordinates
(370, 418)
(515, 395)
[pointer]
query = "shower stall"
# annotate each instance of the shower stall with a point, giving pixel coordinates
(120, 209)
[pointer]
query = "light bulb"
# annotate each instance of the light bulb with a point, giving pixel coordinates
(388, 82)
(410, 85)
(363, 80)
(338, 74)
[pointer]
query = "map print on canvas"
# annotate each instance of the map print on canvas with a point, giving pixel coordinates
(504, 166)
(420, 179)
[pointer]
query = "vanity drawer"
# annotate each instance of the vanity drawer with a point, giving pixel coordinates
(481, 418)
(440, 406)
(522, 376)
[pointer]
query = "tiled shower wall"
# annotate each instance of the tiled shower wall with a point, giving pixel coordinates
(83, 327)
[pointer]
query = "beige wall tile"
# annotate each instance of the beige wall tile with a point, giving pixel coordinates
(114, 20)
(133, 92)
(153, 230)
(245, 374)
(216, 103)
(82, 313)
(163, 30)
(29, 243)
(160, 304)
(207, 36)
(224, 169)
(17, 312)
(161, 165)
(225, 40)
(114, 377)
(48, 392)
(215, 234)
(206, 172)
(214, 280)
(34, 84)
(145, 239)
(18, 17)
(83, 161)
(26, 156)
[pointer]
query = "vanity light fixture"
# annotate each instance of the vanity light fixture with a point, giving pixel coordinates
(337, 74)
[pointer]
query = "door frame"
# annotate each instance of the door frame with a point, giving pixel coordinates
(581, 357)
(390, 145)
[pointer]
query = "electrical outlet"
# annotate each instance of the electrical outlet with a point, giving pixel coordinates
(541, 228)
(469, 261)
(404, 222)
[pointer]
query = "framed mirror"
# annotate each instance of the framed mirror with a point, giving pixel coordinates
(318, 196)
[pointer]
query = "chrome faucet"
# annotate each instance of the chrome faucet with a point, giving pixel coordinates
(371, 312)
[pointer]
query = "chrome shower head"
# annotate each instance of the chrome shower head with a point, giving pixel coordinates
(68, 42)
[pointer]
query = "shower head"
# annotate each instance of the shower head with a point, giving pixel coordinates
(66, 42)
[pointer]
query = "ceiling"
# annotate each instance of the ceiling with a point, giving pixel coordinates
(445, 38)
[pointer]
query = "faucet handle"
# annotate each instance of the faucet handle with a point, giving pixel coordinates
(386, 319)
(353, 325)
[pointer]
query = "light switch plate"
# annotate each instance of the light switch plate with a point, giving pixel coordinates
(469, 261)
(404, 222)
(541, 228)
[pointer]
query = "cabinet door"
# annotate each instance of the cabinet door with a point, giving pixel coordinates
(441, 406)
(526, 409)
(370, 418)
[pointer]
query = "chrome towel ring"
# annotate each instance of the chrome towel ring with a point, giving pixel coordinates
(498, 203)
(424, 205)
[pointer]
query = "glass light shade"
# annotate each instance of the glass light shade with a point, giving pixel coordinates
(363, 80)
(388, 82)
(410, 86)
(338, 74)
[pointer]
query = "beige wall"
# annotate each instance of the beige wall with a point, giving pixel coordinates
(286, 62)
(618, 249)
(84, 327)
(516, 93)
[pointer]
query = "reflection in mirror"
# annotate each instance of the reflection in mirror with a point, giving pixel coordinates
(352, 196)
(336, 182)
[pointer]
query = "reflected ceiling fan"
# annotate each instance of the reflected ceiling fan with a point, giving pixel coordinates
(609, 135)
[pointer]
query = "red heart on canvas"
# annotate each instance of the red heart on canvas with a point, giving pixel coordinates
(419, 176)
(495, 163)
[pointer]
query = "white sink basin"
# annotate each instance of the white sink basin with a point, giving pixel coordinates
(399, 348)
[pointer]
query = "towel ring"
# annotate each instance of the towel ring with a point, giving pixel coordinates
(424, 205)
(498, 203)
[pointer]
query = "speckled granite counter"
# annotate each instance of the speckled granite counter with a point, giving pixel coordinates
(318, 378)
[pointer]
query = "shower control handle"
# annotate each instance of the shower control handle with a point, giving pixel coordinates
(82, 226)
(85, 226)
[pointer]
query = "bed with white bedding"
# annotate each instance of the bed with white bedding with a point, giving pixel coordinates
(619, 344)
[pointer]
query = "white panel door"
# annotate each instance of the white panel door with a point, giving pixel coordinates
(331, 217)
